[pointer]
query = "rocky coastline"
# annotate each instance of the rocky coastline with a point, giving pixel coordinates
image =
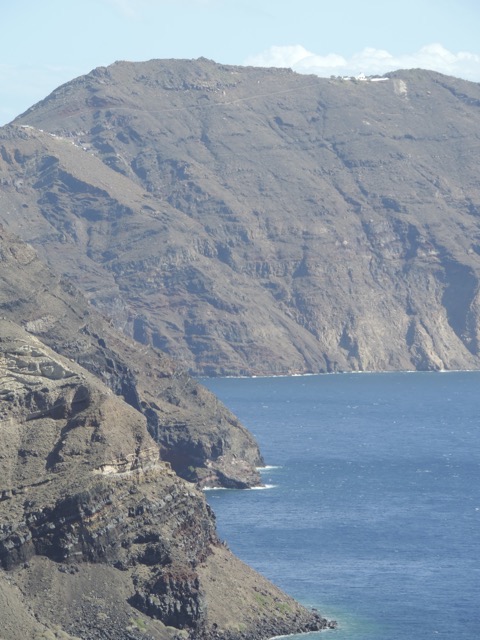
(100, 538)
(203, 441)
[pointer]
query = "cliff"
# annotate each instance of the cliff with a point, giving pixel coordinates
(256, 221)
(201, 439)
(99, 538)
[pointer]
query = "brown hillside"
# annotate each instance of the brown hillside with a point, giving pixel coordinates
(254, 221)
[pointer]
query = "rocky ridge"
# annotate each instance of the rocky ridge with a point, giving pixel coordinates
(99, 538)
(257, 221)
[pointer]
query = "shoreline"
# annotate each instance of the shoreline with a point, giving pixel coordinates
(330, 373)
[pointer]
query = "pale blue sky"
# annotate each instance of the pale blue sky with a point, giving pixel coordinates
(45, 43)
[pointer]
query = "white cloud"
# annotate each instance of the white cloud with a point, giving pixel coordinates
(370, 61)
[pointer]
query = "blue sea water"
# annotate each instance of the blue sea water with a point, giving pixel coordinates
(372, 514)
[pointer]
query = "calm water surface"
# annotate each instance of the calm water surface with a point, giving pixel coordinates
(372, 511)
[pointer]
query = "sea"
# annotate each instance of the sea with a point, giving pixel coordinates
(370, 510)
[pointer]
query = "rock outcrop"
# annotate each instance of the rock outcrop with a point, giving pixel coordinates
(257, 221)
(99, 538)
(201, 439)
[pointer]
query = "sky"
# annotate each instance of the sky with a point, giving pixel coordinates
(45, 43)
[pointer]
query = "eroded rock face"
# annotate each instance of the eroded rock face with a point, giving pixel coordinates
(201, 439)
(62, 430)
(99, 538)
(257, 221)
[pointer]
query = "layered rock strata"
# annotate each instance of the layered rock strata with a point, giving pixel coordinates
(99, 538)
(201, 439)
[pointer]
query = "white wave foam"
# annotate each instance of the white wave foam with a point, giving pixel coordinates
(265, 486)
(259, 488)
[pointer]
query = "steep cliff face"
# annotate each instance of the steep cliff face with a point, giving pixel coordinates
(99, 538)
(255, 221)
(202, 440)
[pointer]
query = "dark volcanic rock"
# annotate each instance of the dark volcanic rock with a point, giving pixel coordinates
(99, 538)
(256, 221)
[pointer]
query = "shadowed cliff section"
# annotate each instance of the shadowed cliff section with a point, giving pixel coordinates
(256, 221)
(99, 538)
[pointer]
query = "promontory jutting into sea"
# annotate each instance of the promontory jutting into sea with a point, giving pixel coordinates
(175, 218)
